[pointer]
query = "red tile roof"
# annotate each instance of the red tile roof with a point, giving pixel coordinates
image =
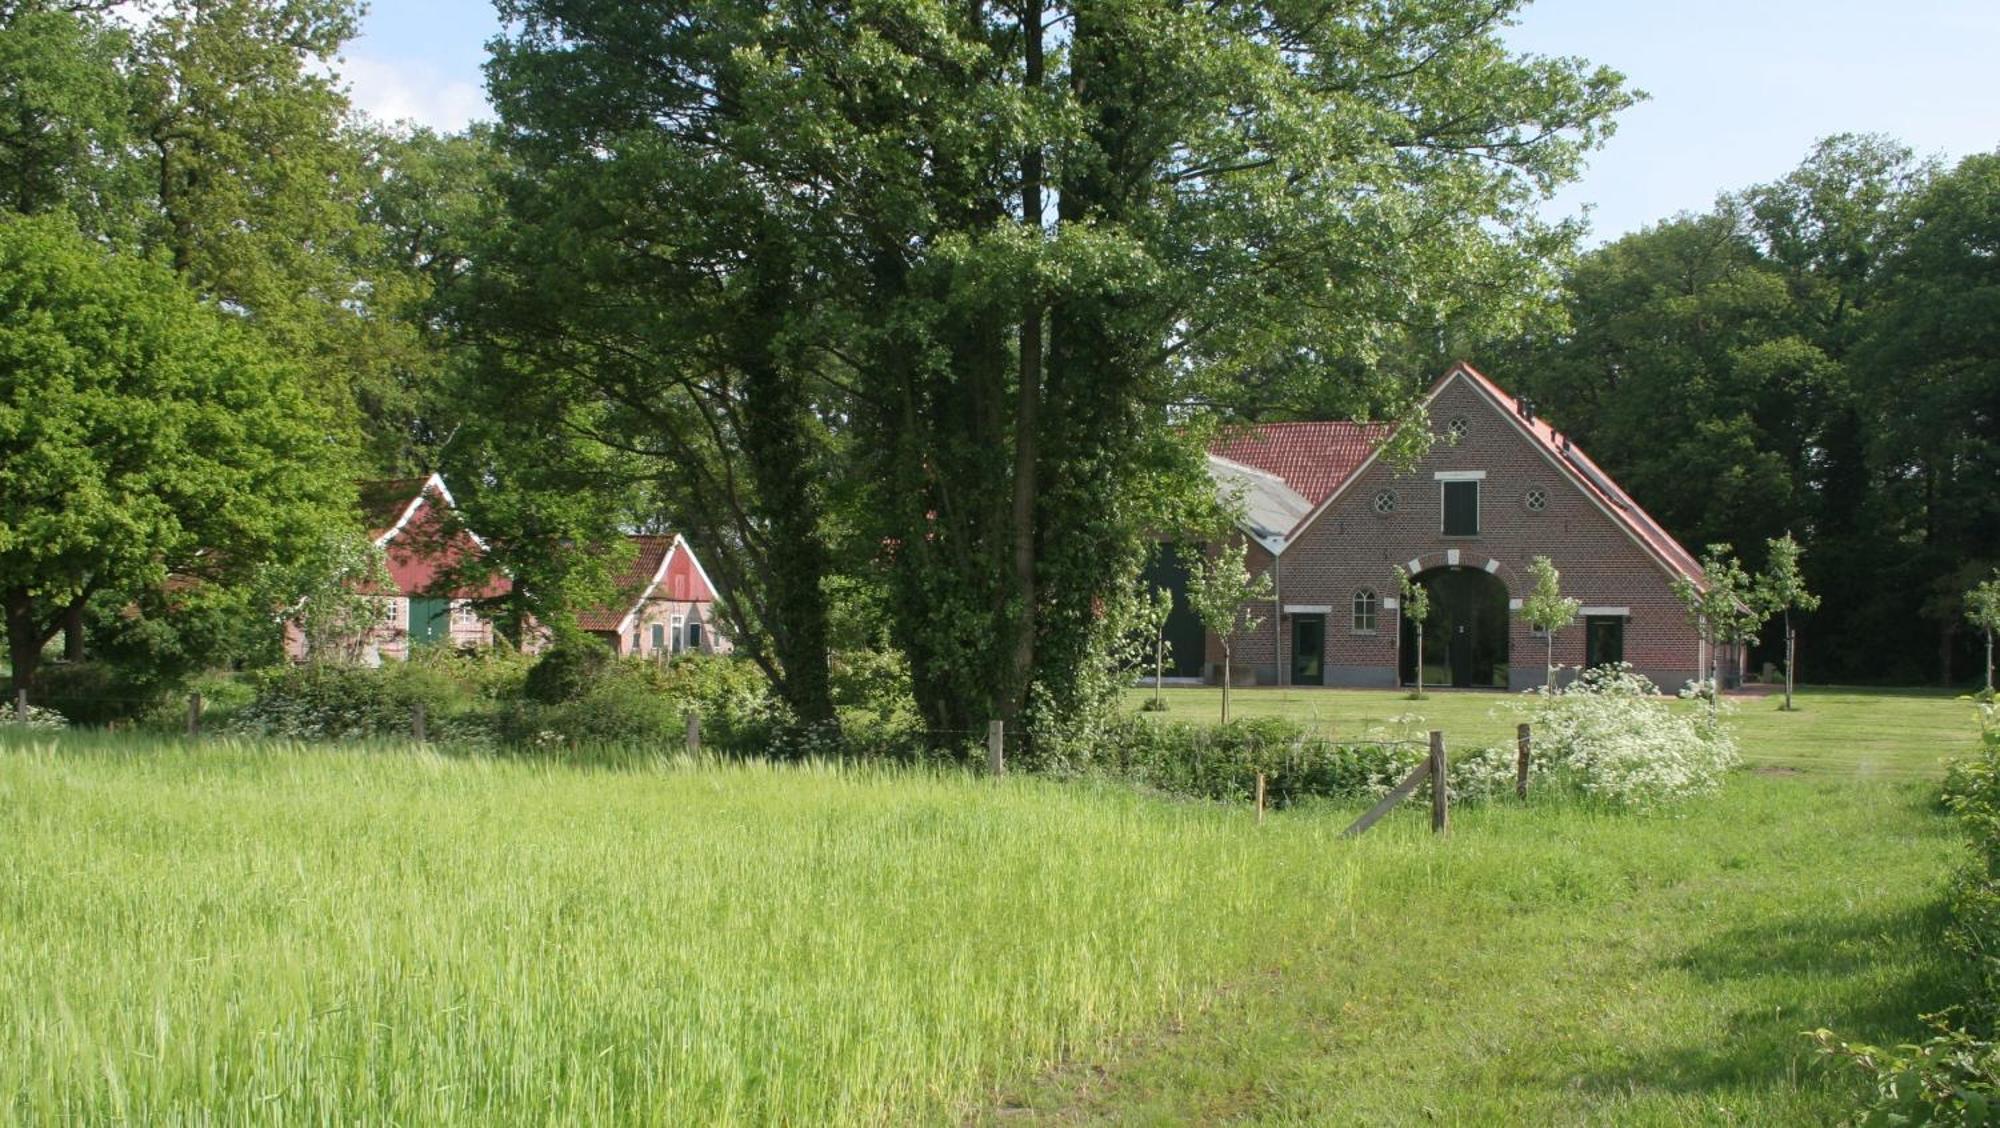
(1591, 478)
(1314, 459)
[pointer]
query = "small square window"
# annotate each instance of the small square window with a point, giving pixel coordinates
(1536, 499)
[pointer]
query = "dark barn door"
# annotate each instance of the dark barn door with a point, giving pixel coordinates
(1603, 640)
(1309, 650)
(1466, 635)
(1187, 641)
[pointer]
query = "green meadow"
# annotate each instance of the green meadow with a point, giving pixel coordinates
(241, 931)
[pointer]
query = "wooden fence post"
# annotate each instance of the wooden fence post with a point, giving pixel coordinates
(996, 747)
(194, 713)
(1260, 796)
(1522, 736)
(694, 732)
(21, 706)
(418, 721)
(1440, 813)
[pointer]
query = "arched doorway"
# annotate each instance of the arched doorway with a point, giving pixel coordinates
(1465, 637)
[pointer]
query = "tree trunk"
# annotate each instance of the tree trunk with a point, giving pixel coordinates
(1027, 399)
(1225, 685)
(73, 632)
(1159, 665)
(24, 641)
(1989, 663)
(1420, 660)
(1552, 661)
(1791, 650)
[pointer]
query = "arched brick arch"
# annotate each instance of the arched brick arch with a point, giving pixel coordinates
(1462, 558)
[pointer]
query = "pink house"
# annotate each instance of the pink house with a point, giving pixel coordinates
(410, 520)
(665, 604)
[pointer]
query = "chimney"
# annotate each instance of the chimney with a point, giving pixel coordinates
(1528, 410)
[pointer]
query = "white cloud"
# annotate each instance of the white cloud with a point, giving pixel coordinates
(409, 90)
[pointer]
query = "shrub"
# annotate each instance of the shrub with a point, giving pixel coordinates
(321, 701)
(566, 671)
(38, 719)
(95, 693)
(1613, 737)
(1222, 762)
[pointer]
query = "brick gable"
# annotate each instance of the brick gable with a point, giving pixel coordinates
(1611, 554)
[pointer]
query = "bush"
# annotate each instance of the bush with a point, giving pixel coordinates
(1611, 735)
(95, 693)
(321, 701)
(1222, 762)
(38, 720)
(567, 671)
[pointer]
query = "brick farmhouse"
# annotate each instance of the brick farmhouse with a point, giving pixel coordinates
(1328, 517)
(665, 604)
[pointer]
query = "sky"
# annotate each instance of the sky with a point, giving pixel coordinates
(1739, 89)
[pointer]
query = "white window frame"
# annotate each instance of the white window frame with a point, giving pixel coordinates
(1374, 611)
(676, 632)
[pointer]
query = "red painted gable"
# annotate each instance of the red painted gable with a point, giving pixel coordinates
(682, 581)
(422, 542)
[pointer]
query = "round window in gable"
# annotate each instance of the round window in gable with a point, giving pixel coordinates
(1458, 426)
(1536, 499)
(1385, 502)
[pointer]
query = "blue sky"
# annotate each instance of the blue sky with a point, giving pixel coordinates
(1740, 89)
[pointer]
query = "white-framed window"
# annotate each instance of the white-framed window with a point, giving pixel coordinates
(1536, 498)
(463, 614)
(392, 610)
(1366, 605)
(677, 631)
(1385, 501)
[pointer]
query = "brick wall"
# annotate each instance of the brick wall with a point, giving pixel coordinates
(1351, 546)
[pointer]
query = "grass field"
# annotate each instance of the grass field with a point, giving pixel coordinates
(315, 934)
(1868, 733)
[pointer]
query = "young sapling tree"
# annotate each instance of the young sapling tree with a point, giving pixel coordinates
(1725, 610)
(1547, 609)
(1416, 607)
(1155, 606)
(1781, 590)
(1982, 607)
(1221, 589)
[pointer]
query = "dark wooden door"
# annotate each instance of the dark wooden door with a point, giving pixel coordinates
(1309, 650)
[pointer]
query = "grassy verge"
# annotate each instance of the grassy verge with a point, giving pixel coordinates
(1886, 734)
(1555, 966)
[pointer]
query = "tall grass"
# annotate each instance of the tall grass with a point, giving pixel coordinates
(277, 932)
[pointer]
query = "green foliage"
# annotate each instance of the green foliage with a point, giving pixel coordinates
(1221, 592)
(143, 435)
(1982, 609)
(1612, 736)
(1724, 608)
(920, 280)
(1546, 608)
(567, 671)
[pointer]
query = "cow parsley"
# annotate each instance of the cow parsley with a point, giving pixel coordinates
(1616, 738)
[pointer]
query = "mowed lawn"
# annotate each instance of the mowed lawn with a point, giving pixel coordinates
(286, 933)
(1865, 733)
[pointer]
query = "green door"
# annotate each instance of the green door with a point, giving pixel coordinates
(430, 620)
